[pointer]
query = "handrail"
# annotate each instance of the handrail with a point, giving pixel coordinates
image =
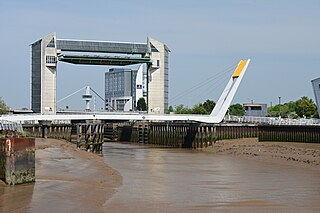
(9, 125)
(271, 120)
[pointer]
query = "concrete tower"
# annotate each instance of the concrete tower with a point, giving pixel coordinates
(43, 75)
(158, 81)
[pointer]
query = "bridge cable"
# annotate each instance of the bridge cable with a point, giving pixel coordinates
(202, 87)
(97, 94)
(203, 83)
(68, 96)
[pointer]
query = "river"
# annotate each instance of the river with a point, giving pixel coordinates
(181, 180)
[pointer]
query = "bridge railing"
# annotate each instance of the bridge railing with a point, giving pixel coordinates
(271, 120)
(11, 126)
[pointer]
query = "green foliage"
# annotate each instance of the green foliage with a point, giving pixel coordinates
(181, 109)
(23, 134)
(294, 109)
(209, 105)
(305, 107)
(4, 109)
(201, 108)
(236, 109)
(141, 104)
(170, 110)
(293, 115)
(279, 110)
(291, 106)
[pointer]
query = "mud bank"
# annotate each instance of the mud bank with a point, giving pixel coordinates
(296, 154)
(67, 180)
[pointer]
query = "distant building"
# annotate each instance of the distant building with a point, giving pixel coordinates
(316, 90)
(257, 110)
(123, 88)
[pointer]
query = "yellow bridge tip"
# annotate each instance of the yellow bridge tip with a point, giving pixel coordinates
(239, 68)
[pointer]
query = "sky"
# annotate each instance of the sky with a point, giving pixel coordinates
(282, 39)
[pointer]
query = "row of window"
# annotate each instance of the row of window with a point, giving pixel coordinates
(253, 108)
(51, 59)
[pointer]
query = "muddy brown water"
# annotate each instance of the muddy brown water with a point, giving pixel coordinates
(179, 180)
(163, 180)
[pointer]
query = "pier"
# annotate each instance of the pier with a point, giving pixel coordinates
(91, 136)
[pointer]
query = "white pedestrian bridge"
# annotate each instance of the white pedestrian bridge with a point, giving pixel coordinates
(216, 116)
(115, 116)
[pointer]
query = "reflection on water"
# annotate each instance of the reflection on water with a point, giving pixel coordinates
(177, 180)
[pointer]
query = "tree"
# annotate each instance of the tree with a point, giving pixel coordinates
(282, 110)
(181, 109)
(170, 109)
(294, 109)
(291, 106)
(236, 109)
(199, 109)
(141, 104)
(305, 107)
(209, 105)
(3, 107)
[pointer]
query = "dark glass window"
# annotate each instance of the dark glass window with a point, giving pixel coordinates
(51, 43)
(255, 108)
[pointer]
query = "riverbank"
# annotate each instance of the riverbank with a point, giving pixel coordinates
(67, 180)
(304, 155)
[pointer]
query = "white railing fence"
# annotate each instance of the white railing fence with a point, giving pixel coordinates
(271, 120)
(8, 125)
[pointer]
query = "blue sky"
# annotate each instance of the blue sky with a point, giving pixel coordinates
(205, 37)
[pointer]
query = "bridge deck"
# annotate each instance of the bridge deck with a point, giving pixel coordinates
(102, 60)
(102, 46)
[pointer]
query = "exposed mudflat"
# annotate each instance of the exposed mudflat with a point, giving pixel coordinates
(298, 154)
(67, 180)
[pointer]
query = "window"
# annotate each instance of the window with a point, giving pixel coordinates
(51, 43)
(256, 108)
(51, 59)
(158, 63)
(154, 49)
